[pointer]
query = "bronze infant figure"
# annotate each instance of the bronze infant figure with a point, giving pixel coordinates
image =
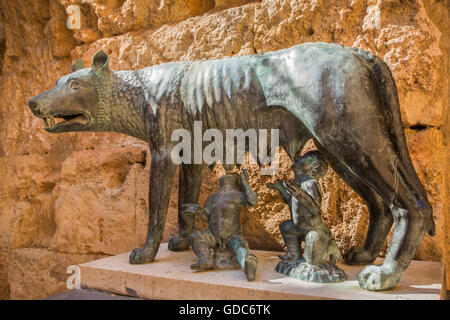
(222, 211)
(304, 198)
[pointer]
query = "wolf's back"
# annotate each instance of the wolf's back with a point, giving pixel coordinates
(210, 83)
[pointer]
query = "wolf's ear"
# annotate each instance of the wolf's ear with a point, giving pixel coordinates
(100, 62)
(77, 65)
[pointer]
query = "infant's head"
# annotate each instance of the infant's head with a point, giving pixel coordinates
(311, 164)
(230, 179)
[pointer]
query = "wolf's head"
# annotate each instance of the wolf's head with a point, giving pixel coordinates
(75, 103)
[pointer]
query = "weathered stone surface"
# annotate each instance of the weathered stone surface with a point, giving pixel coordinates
(40, 273)
(115, 17)
(87, 192)
(100, 208)
(164, 279)
(27, 207)
(4, 284)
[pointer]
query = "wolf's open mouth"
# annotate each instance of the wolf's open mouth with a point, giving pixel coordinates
(54, 121)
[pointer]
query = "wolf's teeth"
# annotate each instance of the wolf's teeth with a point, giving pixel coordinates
(52, 121)
(45, 122)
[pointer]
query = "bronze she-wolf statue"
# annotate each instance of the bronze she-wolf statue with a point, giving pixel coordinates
(345, 99)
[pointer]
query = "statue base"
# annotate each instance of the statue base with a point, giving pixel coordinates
(170, 277)
(302, 270)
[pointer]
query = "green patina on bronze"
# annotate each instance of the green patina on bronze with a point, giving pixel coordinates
(345, 99)
(222, 244)
(304, 198)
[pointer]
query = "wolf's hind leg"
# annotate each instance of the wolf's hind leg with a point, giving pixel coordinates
(380, 221)
(409, 205)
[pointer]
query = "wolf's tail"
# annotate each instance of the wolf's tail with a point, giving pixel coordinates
(392, 118)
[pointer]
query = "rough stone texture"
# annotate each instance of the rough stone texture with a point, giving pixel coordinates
(99, 208)
(70, 197)
(39, 273)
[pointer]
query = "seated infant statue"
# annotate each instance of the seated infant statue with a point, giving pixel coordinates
(222, 211)
(304, 198)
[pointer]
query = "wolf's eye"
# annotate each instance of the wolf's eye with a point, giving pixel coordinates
(74, 85)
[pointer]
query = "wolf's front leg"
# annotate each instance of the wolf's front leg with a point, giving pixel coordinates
(162, 170)
(188, 190)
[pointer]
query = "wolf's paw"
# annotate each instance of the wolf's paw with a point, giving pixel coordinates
(358, 255)
(179, 244)
(145, 254)
(377, 278)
